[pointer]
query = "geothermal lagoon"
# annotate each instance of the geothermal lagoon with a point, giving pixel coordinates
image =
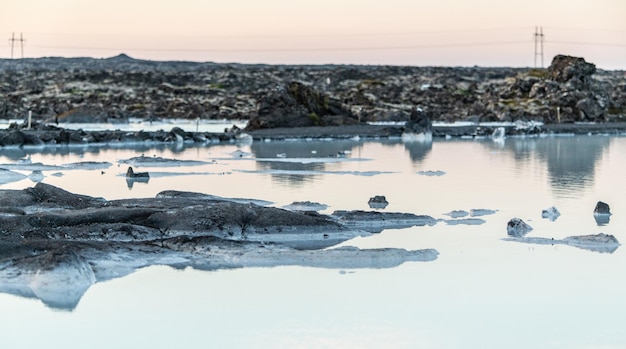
(480, 288)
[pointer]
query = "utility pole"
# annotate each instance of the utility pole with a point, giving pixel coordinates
(22, 45)
(12, 40)
(539, 42)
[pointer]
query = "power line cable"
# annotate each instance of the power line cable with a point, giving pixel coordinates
(315, 49)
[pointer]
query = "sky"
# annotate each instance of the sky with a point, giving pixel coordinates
(389, 32)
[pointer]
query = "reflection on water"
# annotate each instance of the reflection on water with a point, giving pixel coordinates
(287, 171)
(570, 161)
(418, 151)
(14, 153)
(130, 181)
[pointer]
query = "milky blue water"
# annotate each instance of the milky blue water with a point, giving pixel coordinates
(481, 292)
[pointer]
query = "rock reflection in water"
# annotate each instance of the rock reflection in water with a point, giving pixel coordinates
(418, 151)
(571, 161)
(286, 171)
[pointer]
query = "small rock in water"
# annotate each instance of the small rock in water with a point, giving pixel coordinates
(602, 208)
(431, 173)
(132, 174)
(36, 176)
(378, 201)
(550, 213)
(517, 227)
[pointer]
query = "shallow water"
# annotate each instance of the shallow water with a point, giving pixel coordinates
(481, 292)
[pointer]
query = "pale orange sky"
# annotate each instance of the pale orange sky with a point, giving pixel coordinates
(398, 32)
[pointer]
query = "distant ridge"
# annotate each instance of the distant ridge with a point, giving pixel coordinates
(122, 57)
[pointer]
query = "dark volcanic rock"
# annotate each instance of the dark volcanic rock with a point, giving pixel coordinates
(12, 138)
(602, 208)
(298, 105)
(571, 69)
(116, 89)
(419, 122)
(54, 244)
(51, 213)
(378, 201)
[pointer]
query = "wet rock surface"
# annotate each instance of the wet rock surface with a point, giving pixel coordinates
(378, 202)
(376, 221)
(602, 208)
(517, 227)
(55, 244)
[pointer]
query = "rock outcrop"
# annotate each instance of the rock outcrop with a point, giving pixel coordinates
(115, 90)
(298, 105)
(574, 70)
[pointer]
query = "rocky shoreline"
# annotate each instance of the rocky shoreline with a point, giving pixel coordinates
(51, 136)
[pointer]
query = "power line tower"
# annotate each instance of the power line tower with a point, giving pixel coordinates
(539, 43)
(21, 40)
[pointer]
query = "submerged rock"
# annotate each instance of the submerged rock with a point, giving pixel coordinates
(517, 227)
(431, 173)
(551, 213)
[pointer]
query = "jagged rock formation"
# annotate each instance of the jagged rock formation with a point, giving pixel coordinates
(602, 208)
(298, 105)
(118, 88)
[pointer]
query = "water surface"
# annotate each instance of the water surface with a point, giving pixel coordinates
(481, 292)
